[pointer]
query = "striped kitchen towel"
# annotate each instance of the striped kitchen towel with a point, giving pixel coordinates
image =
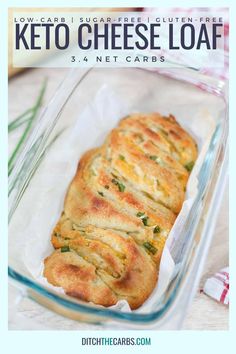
(217, 286)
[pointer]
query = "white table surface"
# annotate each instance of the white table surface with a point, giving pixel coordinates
(203, 314)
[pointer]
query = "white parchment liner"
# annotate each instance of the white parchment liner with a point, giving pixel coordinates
(90, 130)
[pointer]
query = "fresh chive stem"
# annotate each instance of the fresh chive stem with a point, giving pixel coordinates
(20, 120)
(34, 110)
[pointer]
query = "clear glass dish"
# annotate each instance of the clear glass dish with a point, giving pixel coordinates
(186, 88)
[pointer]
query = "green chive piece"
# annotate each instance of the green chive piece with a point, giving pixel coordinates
(120, 185)
(122, 157)
(157, 229)
(163, 132)
(150, 247)
(65, 249)
(57, 234)
(153, 157)
(144, 218)
(139, 214)
(145, 221)
(101, 194)
(189, 166)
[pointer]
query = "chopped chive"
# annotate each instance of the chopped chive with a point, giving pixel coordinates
(139, 214)
(157, 229)
(150, 247)
(120, 185)
(106, 186)
(121, 157)
(65, 249)
(163, 132)
(145, 221)
(144, 218)
(189, 166)
(100, 193)
(57, 234)
(153, 157)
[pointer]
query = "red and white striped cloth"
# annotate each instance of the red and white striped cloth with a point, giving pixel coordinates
(217, 286)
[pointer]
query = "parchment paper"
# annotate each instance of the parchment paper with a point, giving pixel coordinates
(90, 130)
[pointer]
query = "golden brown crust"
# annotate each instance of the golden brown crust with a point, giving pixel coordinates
(120, 264)
(119, 209)
(78, 278)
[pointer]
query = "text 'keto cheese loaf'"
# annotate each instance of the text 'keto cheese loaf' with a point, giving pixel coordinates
(119, 210)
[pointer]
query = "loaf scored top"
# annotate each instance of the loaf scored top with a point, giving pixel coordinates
(119, 210)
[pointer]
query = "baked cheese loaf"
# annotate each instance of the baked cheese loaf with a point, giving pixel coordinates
(119, 210)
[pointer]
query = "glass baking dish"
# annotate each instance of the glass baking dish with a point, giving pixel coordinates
(185, 90)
